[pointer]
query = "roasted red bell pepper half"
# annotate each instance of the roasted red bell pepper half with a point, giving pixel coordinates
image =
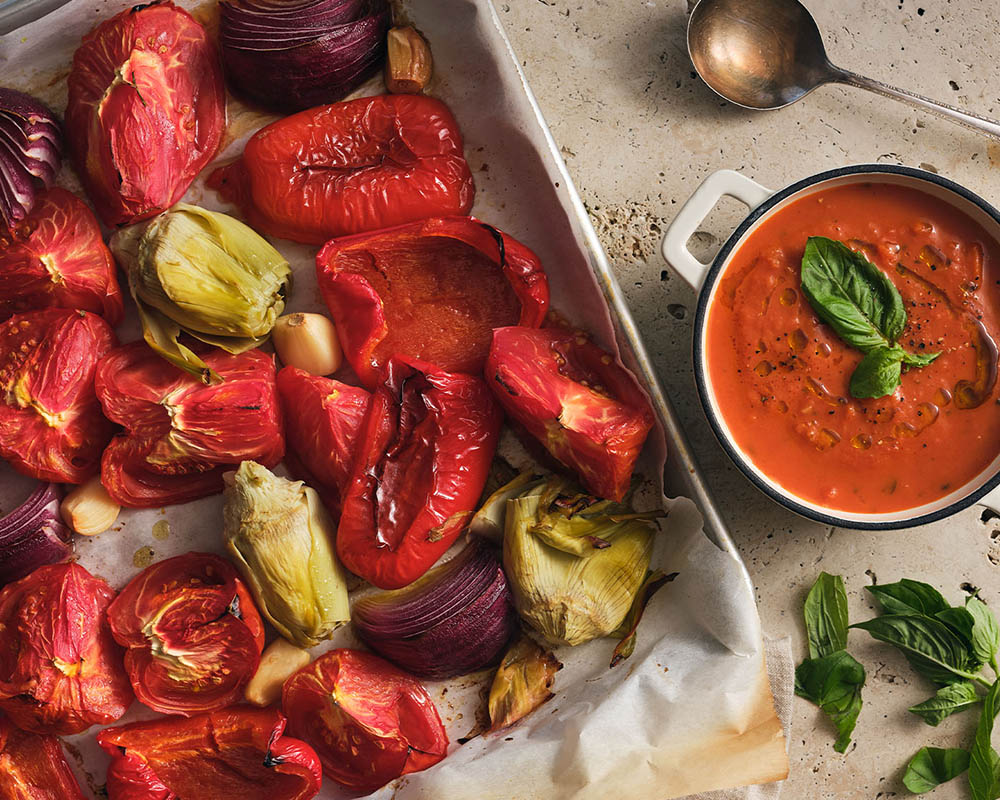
(239, 753)
(354, 166)
(369, 722)
(181, 435)
(192, 633)
(34, 767)
(422, 459)
(60, 669)
(146, 112)
(432, 290)
(322, 421)
(51, 426)
(581, 404)
(55, 257)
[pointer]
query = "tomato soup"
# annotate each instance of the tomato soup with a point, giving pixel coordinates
(780, 376)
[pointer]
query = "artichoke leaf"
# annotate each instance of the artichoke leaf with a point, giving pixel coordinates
(522, 682)
(655, 580)
(163, 336)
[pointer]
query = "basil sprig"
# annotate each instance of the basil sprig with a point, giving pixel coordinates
(830, 677)
(857, 300)
(949, 645)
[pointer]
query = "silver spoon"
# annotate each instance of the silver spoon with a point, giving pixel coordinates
(766, 54)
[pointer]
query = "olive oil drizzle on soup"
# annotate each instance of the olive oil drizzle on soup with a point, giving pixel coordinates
(781, 376)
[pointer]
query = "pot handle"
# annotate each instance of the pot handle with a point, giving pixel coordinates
(991, 500)
(725, 182)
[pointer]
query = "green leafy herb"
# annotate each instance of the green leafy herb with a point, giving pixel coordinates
(932, 766)
(984, 761)
(857, 300)
(826, 616)
(833, 683)
(931, 647)
(909, 597)
(949, 700)
(985, 633)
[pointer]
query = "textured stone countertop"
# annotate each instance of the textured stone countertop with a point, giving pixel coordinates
(639, 131)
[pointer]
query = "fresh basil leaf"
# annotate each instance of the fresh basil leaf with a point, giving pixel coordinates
(833, 683)
(961, 622)
(949, 700)
(984, 761)
(909, 597)
(918, 359)
(826, 616)
(851, 295)
(932, 766)
(931, 647)
(985, 632)
(878, 373)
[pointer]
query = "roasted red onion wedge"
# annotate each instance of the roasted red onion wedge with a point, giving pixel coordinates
(30, 153)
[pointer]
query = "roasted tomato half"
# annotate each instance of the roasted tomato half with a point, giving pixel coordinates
(581, 404)
(56, 257)
(51, 426)
(322, 421)
(192, 633)
(422, 459)
(146, 112)
(369, 722)
(34, 767)
(349, 167)
(60, 669)
(432, 290)
(181, 435)
(238, 753)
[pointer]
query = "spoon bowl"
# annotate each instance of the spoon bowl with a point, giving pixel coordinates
(760, 54)
(767, 54)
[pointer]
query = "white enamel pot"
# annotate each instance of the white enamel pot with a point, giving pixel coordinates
(984, 489)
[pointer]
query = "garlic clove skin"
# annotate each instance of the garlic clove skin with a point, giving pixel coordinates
(408, 65)
(89, 509)
(309, 342)
(279, 661)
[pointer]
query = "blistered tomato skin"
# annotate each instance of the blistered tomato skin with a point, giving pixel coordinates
(192, 634)
(56, 257)
(51, 426)
(239, 753)
(584, 407)
(423, 455)
(60, 669)
(146, 110)
(360, 165)
(181, 435)
(34, 767)
(322, 422)
(368, 721)
(432, 290)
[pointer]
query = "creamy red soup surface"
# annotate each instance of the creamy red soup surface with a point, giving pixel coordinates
(781, 376)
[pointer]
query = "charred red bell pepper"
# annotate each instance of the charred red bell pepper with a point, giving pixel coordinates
(60, 669)
(146, 112)
(322, 421)
(34, 767)
(354, 166)
(56, 257)
(192, 633)
(432, 290)
(238, 753)
(369, 722)
(181, 435)
(422, 459)
(51, 426)
(582, 405)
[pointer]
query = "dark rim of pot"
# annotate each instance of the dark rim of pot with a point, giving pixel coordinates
(787, 500)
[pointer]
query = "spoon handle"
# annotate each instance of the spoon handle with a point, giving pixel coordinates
(976, 123)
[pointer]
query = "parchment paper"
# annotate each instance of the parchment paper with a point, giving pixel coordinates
(691, 710)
